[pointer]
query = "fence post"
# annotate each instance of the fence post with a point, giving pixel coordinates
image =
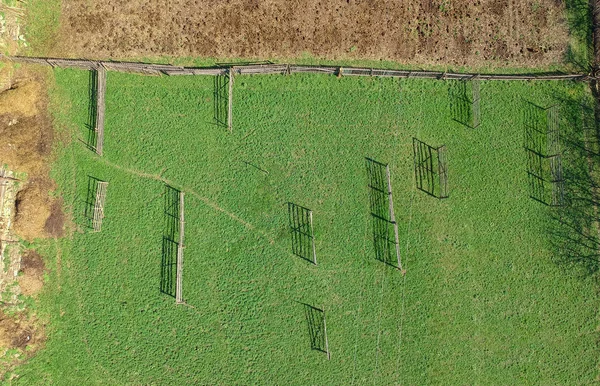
(100, 108)
(325, 331)
(230, 107)
(393, 216)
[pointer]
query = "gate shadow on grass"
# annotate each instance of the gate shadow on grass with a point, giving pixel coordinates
(384, 240)
(168, 265)
(315, 321)
(221, 100)
(580, 27)
(573, 228)
(301, 232)
(92, 135)
(431, 169)
(87, 219)
(544, 158)
(464, 102)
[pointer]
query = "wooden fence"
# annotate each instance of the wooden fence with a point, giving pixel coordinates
(230, 101)
(100, 108)
(252, 69)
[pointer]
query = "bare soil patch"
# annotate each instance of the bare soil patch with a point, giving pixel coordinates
(26, 138)
(25, 129)
(20, 332)
(55, 222)
(31, 280)
(27, 335)
(17, 332)
(32, 210)
(461, 32)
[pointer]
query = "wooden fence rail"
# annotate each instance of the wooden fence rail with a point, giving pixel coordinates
(100, 108)
(253, 69)
(230, 101)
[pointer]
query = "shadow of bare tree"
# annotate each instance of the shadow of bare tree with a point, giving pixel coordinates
(573, 227)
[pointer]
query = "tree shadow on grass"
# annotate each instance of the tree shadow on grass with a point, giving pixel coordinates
(221, 100)
(579, 18)
(573, 227)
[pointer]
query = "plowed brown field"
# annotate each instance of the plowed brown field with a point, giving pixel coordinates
(513, 33)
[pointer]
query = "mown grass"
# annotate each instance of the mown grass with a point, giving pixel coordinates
(483, 300)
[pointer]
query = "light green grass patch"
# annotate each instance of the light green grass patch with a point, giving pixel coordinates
(41, 26)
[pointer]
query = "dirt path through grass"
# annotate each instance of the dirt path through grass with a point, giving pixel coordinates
(189, 190)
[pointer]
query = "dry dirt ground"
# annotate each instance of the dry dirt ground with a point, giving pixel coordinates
(16, 332)
(22, 333)
(27, 210)
(31, 279)
(21, 336)
(22, 330)
(26, 137)
(456, 32)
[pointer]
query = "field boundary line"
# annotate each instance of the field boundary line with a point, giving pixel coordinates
(286, 69)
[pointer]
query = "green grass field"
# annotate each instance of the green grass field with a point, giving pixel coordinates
(483, 300)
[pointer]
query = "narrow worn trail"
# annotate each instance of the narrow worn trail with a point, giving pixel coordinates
(208, 202)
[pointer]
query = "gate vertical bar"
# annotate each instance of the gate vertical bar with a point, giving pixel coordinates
(312, 236)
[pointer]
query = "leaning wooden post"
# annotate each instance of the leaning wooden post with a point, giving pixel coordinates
(312, 236)
(325, 331)
(475, 102)
(178, 289)
(100, 94)
(230, 106)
